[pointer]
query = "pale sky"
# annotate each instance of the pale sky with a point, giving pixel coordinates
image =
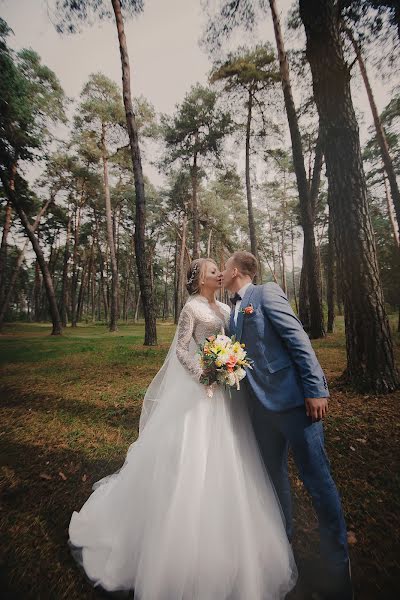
(165, 56)
(163, 46)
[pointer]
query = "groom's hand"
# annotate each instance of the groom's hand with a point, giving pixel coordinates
(316, 408)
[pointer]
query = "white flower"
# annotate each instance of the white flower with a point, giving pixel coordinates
(240, 354)
(231, 378)
(223, 356)
(240, 373)
(223, 340)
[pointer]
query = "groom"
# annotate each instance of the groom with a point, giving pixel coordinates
(288, 400)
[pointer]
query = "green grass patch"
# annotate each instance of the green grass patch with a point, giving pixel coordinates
(69, 410)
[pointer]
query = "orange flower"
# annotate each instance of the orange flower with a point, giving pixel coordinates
(248, 310)
(231, 362)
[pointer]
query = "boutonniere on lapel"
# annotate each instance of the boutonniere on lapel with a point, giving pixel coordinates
(248, 310)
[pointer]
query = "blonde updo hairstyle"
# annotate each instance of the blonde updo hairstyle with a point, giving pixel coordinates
(196, 273)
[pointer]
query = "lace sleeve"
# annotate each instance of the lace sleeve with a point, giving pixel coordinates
(185, 332)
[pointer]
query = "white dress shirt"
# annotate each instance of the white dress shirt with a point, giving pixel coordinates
(241, 293)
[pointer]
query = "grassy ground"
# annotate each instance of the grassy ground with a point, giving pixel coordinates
(69, 409)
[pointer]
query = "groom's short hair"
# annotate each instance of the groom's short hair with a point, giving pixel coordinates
(246, 263)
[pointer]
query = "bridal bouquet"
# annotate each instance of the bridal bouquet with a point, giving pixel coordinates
(223, 360)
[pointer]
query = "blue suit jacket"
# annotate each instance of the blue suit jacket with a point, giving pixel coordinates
(285, 368)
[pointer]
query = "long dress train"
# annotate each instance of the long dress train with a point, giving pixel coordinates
(191, 514)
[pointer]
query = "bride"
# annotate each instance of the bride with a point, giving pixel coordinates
(191, 514)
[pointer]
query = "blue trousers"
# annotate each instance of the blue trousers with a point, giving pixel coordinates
(275, 432)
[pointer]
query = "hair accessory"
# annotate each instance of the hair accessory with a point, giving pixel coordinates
(193, 275)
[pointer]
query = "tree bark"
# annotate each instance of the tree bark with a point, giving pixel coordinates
(165, 300)
(316, 174)
(304, 299)
(380, 132)
(150, 338)
(176, 279)
(9, 187)
(101, 266)
(113, 326)
(137, 306)
(209, 243)
(20, 260)
(195, 207)
(293, 269)
(89, 278)
(79, 309)
(330, 284)
(3, 248)
(75, 261)
(64, 286)
(250, 212)
(391, 216)
(370, 362)
(271, 234)
(314, 183)
(310, 253)
(181, 276)
(283, 232)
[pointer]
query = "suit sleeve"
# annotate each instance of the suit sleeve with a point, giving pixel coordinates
(277, 309)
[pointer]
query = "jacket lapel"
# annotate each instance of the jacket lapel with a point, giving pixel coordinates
(245, 302)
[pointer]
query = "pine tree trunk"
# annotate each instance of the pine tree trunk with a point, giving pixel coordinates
(127, 286)
(89, 278)
(93, 291)
(195, 207)
(36, 292)
(165, 301)
(314, 183)
(137, 306)
(176, 279)
(304, 299)
(370, 362)
(150, 338)
(338, 287)
(380, 132)
(101, 267)
(293, 269)
(209, 243)
(310, 253)
(316, 174)
(250, 212)
(64, 286)
(6, 301)
(182, 278)
(283, 231)
(391, 216)
(81, 292)
(75, 261)
(271, 233)
(283, 268)
(3, 248)
(9, 188)
(113, 326)
(330, 284)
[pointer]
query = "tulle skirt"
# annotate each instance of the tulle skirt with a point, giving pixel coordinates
(191, 515)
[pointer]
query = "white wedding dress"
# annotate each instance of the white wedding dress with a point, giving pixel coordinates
(191, 514)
